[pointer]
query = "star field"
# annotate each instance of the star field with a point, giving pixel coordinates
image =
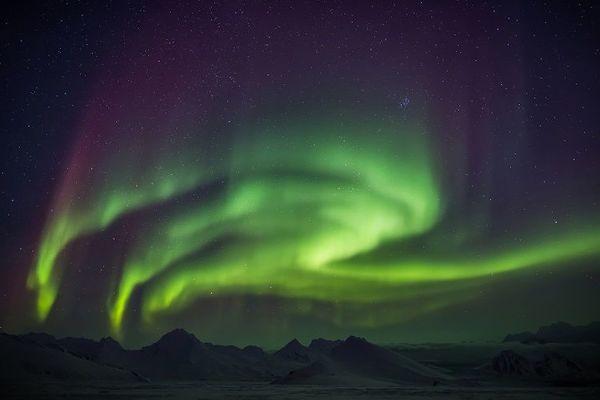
(261, 171)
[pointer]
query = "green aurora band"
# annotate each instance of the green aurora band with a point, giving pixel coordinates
(86, 208)
(297, 210)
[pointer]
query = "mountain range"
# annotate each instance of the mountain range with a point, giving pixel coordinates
(559, 332)
(180, 356)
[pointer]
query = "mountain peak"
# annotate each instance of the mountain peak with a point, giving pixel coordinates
(177, 344)
(294, 344)
(110, 342)
(178, 333)
(355, 340)
(294, 350)
(176, 339)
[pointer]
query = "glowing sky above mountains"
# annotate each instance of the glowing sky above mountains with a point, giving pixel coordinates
(266, 170)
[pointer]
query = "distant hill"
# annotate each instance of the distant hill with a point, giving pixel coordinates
(559, 332)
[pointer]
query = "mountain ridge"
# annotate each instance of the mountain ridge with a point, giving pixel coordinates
(180, 355)
(559, 332)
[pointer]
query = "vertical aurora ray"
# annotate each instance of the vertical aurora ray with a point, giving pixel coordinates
(69, 224)
(89, 201)
(122, 159)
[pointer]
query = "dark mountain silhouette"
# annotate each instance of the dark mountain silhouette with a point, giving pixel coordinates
(254, 352)
(177, 355)
(180, 356)
(26, 359)
(323, 345)
(360, 357)
(294, 351)
(556, 366)
(509, 363)
(559, 332)
(548, 366)
(356, 361)
(105, 351)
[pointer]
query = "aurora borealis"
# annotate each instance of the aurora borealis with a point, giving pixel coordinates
(256, 172)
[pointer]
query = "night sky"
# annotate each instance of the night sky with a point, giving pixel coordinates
(254, 172)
